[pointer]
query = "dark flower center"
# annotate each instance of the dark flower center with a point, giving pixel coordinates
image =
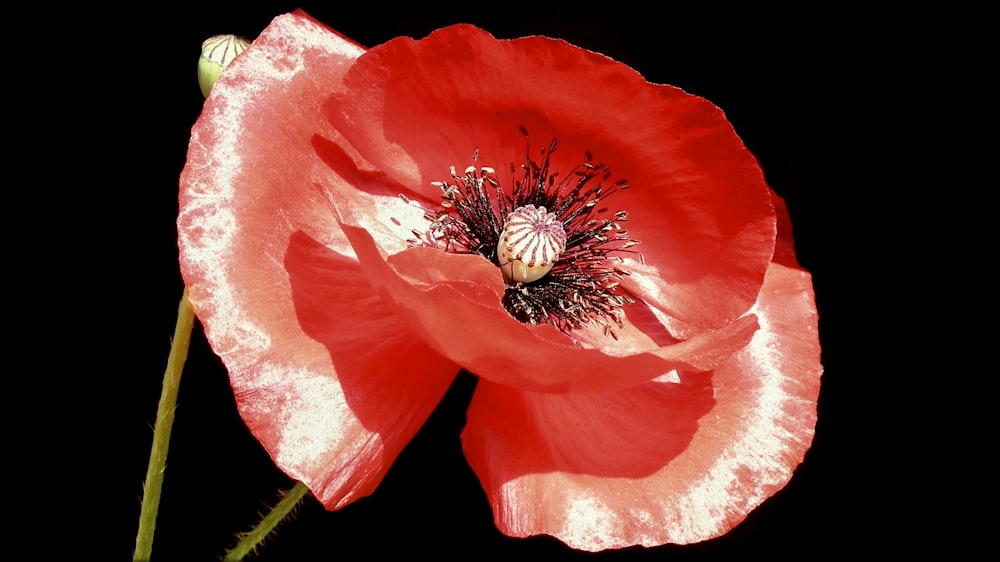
(550, 237)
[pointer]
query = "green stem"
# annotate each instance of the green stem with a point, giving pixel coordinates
(279, 513)
(161, 431)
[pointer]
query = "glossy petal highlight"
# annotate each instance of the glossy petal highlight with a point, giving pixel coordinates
(413, 133)
(341, 336)
(323, 374)
(422, 285)
(646, 465)
(698, 203)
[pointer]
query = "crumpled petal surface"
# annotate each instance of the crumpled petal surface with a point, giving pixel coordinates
(340, 337)
(324, 375)
(680, 459)
(526, 361)
(699, 203)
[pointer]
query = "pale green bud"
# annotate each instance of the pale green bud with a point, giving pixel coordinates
(216, 53)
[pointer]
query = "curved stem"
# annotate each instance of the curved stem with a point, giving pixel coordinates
(279, 513)
(161, 431)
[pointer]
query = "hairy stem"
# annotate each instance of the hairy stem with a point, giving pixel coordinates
(280, 512)
(161, 431)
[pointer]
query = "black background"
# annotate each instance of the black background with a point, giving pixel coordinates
(790, 86)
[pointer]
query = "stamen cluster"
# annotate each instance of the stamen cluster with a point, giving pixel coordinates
(583, 284)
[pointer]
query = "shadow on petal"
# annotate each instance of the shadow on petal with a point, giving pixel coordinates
(337, 158)
(577, 466)
(391, 382)
(630, 433)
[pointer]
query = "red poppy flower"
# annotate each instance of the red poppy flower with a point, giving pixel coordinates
(633, 394)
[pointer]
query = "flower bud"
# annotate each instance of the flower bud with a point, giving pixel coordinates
(216, 53)
(531, 242)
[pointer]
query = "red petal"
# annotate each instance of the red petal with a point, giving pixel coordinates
(699, 202)
(451, 302)
(325, 375)
(784, 249)
(646, 465)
